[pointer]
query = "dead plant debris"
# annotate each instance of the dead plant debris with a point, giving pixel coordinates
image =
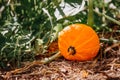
(61, 69)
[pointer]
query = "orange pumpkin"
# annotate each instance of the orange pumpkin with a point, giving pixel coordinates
(78, 42)
(53, 47)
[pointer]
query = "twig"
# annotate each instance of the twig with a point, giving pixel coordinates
(114, 64)
(109, 40)
(114, 45)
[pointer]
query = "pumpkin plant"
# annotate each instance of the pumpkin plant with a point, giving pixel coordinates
(78, 42)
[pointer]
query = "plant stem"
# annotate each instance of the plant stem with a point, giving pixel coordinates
(51, 58)
(103, 11)
(90, 20)
(109, 18)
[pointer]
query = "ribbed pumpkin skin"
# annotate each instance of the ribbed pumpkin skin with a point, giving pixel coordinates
(82, 38)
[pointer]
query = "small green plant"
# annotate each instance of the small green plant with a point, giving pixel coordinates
(21, 26)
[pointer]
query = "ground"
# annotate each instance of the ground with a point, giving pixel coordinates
(62, 69)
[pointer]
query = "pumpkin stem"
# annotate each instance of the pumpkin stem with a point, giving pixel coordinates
(71, 50)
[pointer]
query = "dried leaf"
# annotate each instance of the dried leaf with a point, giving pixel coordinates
(84, 73)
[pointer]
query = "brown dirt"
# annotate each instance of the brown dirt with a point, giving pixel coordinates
(61, 69)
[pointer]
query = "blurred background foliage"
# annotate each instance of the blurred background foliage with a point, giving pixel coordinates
(27, 27)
